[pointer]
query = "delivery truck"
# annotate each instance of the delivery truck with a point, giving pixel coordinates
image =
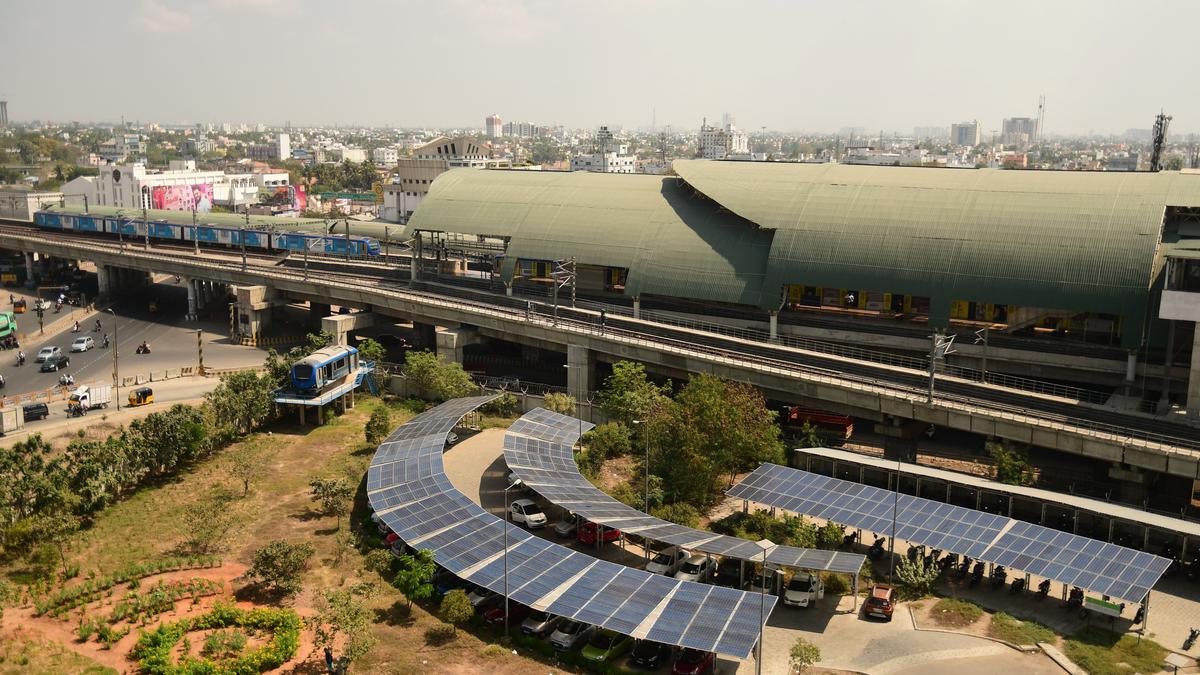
(89, 397)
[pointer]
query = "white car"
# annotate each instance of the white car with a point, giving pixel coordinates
(696, 568)
(570, 634)
(804, 590)
(45, 353)
(540, 623)
(526, 512)
(82, 344)
(667, 561)
(451, 438)
(770, 582)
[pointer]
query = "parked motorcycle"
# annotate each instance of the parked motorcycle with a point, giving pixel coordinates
(1016, 586)
(876, 550)
(1075, 598)
(1191, 638)
(999, 576)
(1043, 589)
(976, 575)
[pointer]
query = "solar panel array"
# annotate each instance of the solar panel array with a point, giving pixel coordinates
(538, 449)
(1090, 564)
(408, 489)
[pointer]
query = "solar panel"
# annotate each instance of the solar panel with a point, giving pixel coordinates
(409, 491)
(1090, 564)
(536, 451)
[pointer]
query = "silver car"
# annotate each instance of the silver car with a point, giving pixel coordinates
(571, 634)
(540, 623)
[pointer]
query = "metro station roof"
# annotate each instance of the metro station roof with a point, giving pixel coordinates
(739, 231)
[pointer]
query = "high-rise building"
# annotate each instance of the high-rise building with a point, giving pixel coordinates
(522, 129)
(966, 133)
(493, 127)
(3, 114)
(1018, 131)
(720, 142)
(931, 133)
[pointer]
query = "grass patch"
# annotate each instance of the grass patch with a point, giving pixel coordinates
(30, 657)
(955, 613)
(1011, 629)
(1099, 652)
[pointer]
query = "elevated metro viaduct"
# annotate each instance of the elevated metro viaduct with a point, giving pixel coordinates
(876, 255)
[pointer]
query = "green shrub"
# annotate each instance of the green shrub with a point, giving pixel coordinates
(439, 635)
(680, 512)
(955, 613)
(154, 647)
(493, 652)
(1011, 629)
(836, 584)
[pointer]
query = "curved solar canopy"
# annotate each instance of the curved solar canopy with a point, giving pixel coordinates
(409, 491)
(537, 448)
(1067, 558)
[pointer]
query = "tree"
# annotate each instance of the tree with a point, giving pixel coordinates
(680, 513)
(240, 403)
(57, 529)
(413, 578)
(808, 438)
(1012, 463)
(628, 394)
(279, 564)
(245, 465)
(208, 520)
(371, 350)
(333, 495)
(563, 404)
(610, 439)
(432, 378)
(343, 613)
(170, 439)
(916, 578)
(803, 654)
(379, 561)
(456, 608)
(378, 426)
(830, 536)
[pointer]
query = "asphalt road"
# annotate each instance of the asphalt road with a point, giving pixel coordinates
(171, 337)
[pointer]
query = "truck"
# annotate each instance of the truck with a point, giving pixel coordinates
(89, 397)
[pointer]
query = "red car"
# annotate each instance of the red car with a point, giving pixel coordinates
(516, 613)
(881, 602)
(587, 534)
(693, 662)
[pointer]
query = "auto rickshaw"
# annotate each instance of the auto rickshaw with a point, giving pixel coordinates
(19, 307)
(141, 396)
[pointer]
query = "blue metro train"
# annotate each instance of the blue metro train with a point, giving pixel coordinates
(216, 235)
(313, 372)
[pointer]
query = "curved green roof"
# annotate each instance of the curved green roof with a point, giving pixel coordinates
(672, 241)
(1071, 240)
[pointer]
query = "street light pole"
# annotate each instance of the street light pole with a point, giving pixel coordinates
(116, 370)
(765, 545)
(507, 513)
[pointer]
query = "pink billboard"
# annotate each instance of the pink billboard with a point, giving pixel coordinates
(183, 197)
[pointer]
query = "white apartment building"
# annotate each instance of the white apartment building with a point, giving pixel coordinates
(178, 188)
(720, 142)
(493, 126)
(415, 175)
(387, 156)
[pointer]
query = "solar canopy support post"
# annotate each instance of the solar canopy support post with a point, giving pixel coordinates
(765, 545)
(507, 512)
(854, 588)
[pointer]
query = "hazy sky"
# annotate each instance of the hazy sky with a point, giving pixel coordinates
(786, 65)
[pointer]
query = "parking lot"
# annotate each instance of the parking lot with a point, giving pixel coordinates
(476, 467)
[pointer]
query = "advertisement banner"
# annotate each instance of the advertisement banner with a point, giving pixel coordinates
(183, 197)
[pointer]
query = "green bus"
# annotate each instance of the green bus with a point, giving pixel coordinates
(8, 324)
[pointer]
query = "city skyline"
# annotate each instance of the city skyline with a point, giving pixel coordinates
(872, 65)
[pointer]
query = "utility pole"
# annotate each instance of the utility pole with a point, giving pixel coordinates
(943, 346)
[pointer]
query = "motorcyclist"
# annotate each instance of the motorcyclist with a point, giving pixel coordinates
(104, 340)
(76, 328)
(98, 326)
(20, 358)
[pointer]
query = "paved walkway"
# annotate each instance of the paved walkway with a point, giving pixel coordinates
(475, 466)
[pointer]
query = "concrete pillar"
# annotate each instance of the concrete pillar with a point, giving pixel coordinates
(340, 325)
(581, 366)
(425, 336)
(1193, 393)
(254, 309)
(1130, 371)
(450, 342)
(29, 275)
(637, 306)
(192, 292)
(774, 325)
(508, 288)
(102, 280)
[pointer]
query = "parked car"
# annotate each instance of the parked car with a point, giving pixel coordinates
(54, 363)
(447, 581)
(881, 602)
(770, 581)
(696, 568)
(517, 613)
(693, 662)
(606, 645)
(451, 438)
(570, 634)
(482, 597)
(540, 623)
(667, 561)
(46, 352)
(586, 533)
(526, 512)
(804, 590)
(649, 654)
(35, 411)
(82, 344)
(567, 526)
(729, 573)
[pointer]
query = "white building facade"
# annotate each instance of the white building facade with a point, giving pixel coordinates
(179, 188)
(720, 142)
(386, 156)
